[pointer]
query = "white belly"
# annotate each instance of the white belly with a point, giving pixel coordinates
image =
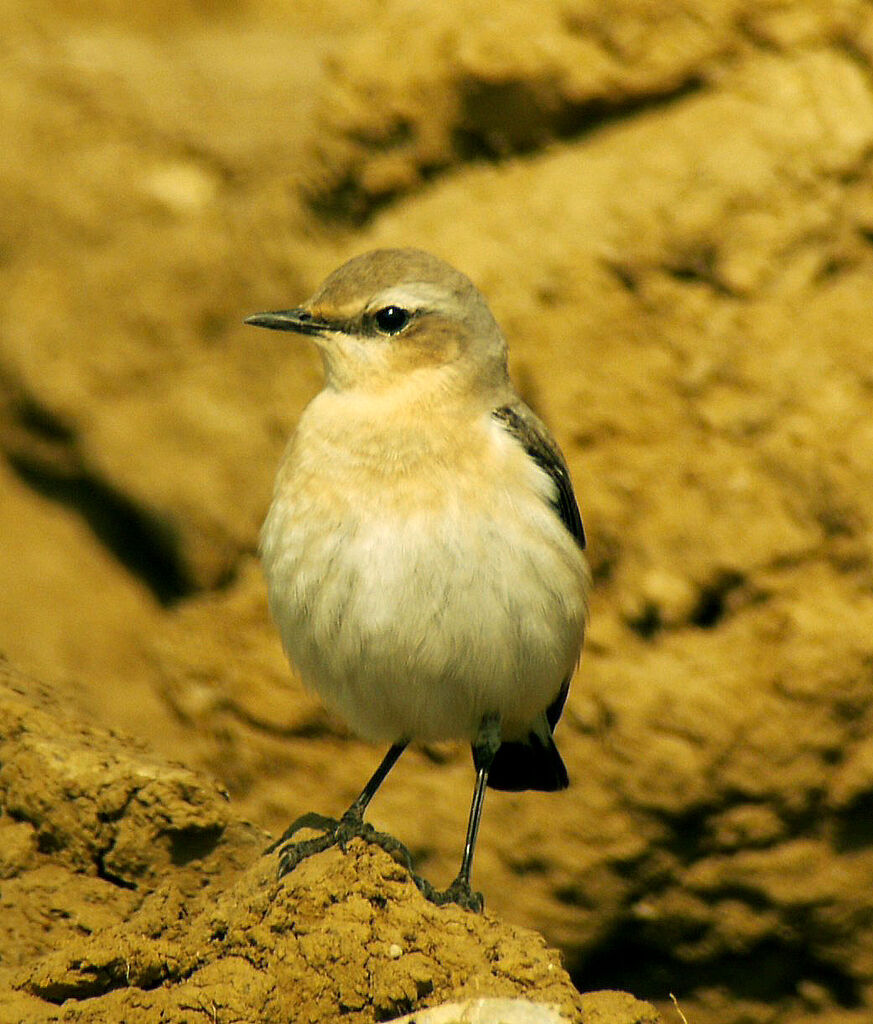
(415, 610)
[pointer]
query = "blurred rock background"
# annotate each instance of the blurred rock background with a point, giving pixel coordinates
(670, 208)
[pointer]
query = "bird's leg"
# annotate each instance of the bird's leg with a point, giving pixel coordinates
(484, 750)
(339, 832)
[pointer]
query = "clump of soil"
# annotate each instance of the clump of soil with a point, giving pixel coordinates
(134, 893)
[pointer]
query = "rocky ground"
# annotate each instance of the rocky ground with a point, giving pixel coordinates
(670, 209)
(132, 892)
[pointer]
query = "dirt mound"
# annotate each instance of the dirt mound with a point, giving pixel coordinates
(132, 892)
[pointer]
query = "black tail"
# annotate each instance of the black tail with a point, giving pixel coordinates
(533, 763)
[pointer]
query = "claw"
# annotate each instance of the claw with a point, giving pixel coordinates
(334, 833)
(312, 819)
(352, 826)
(459, 893)
(291, 854)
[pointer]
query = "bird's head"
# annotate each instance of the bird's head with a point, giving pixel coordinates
(391, 316)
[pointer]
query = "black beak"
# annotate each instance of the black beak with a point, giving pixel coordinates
(290, 320)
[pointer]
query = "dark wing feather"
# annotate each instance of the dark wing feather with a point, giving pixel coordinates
(533, 437)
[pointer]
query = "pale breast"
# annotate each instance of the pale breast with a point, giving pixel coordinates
(417, 594)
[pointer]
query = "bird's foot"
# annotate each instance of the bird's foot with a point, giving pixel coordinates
(334, 832)
(459, 892)
(340, 832)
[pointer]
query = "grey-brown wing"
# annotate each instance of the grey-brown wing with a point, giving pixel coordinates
(532, 436)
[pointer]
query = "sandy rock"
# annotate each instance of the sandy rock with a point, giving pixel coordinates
(162, 903)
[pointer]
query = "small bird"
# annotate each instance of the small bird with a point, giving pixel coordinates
(423, 551)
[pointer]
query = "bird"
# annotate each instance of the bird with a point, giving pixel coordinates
(424, 553)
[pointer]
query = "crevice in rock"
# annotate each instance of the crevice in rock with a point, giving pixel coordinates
(497, 120)
(315, 727)
(854, 826)
(769, 973)
(98, 979)
(516, 117)
(647, 622)
(688, 835)
(141, 540)
(712, 603)
(42, 450)
(108, 876)
(193, 843)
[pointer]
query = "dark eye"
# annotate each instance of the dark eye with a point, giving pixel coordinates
(391, 319)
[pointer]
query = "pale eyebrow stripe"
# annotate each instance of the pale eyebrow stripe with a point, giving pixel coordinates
(411, 296)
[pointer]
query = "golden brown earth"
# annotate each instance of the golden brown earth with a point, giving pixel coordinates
(670, 209)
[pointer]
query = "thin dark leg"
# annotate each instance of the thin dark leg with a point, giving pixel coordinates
(484, 751)
(376, 779)
(339, 832)
(473, 825)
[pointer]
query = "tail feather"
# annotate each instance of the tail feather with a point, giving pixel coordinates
(533, 763)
